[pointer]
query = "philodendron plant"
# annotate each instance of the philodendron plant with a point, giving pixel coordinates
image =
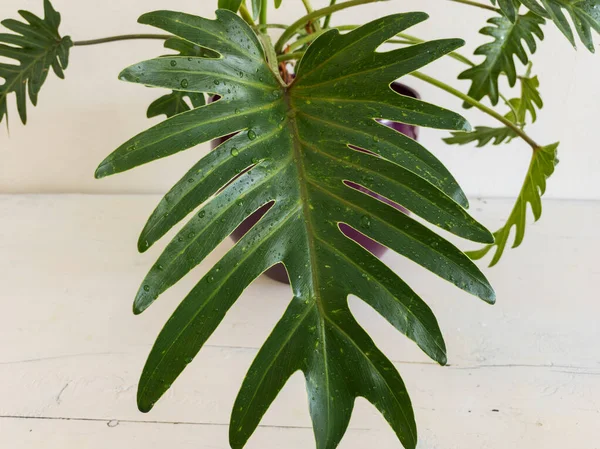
(303, 116)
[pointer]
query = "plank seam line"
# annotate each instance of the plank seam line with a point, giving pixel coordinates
(175, 423)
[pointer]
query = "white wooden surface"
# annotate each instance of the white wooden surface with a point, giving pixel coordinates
(523, 374)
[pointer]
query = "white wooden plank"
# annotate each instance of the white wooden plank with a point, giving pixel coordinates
(69, 270)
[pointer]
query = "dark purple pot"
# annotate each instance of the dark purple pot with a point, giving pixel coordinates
(278, 272)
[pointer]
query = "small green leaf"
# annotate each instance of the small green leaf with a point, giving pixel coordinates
(482, 135)
(542, 166)
(499, 54)
(278, 3)
(530, 99)
(509, 8)
(585, 15)
(293, 151)
(534, 7)
(231, 5)
(36, 45)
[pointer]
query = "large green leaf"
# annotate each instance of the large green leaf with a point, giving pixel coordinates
(295, 140)
(585, 15)
(36, 45)
(499, 54)
(542, 166)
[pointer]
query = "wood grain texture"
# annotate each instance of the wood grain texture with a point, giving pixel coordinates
(524, 373)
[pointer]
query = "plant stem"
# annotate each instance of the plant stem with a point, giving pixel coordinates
(316, 15)
(478, 105)
(477, 5)
(328, 17)
(309, 9)
(512, 109)
(304, 40)
(400, 41)
(272, 25)
(123, 37)
(246, 15)
(263, 12)
(289, 56)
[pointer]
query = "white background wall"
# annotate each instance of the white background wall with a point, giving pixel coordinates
(82, 119)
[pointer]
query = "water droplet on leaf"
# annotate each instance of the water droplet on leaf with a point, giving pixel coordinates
(365, 222)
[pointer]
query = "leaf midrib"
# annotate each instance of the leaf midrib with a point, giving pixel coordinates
(375, 368)
(234, 80)
(310, 233)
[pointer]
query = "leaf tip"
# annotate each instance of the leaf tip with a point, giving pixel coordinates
(443, 360)
(143, 406)
(466, 126)
(104, 169)
(143, 244)
(138, 308)
(146, 19)
(457, 43)
(128, 75)
(489, 297)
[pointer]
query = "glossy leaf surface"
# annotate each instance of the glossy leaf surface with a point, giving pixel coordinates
(584, 14)
(36, 46)
(179, 100)
(509, 41)
(542, 166)
(295, 140)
